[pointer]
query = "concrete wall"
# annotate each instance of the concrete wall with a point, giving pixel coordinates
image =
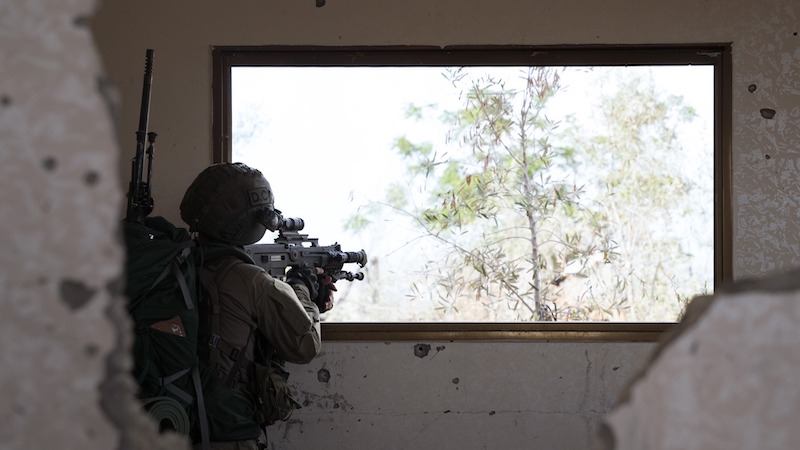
(725, 377)
(457, 395)
(63, 360)
(64, 333)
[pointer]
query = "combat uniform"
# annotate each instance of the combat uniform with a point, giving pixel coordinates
(251, 301)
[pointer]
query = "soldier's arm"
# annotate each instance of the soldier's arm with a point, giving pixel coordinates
(289, 320)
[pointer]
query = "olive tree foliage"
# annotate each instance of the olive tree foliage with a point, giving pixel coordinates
(649, 201)
(541, 218)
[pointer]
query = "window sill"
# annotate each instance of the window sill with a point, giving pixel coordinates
(460, 331)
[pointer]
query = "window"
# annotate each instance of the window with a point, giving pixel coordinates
(514, 186)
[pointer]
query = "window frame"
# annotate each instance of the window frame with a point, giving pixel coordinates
(717, 55)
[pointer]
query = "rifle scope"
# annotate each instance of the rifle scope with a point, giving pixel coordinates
(291, 224)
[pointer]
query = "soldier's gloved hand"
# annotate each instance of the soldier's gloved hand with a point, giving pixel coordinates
(306, 276)
(324, 299)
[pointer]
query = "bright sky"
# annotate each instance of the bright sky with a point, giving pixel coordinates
(324, 135)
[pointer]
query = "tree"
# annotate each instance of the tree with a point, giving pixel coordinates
(639, 167)
(518, 237)
(498, 203)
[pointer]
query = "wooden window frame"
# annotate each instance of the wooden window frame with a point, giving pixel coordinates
(718, 55)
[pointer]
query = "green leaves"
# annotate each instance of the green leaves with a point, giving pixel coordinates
(541, 218)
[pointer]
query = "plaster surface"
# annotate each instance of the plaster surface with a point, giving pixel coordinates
(470, 395)
(60, 259)
(728, 380)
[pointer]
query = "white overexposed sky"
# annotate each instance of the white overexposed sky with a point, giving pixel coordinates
(324, 136)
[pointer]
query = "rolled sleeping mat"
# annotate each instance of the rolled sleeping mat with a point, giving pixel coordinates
(168, 413)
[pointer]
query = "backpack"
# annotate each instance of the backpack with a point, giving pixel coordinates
(178, 391)
(161, 288)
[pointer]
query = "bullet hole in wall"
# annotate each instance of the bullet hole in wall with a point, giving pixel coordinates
(768, 157)
(456, 380)
(422, 350)
(767, 113)
(752, 88)
(91, 178)
(50, 163)
(19, 409)
(91, 350)
(323, 375)
(81, 21)
(75, 294)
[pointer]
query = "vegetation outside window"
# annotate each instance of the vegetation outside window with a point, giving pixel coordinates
(494, 185)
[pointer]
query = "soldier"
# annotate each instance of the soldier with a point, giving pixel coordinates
(251, 321)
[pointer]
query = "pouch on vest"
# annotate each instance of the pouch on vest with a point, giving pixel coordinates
(273, 394)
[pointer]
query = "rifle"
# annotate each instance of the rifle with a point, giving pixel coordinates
(294, 249)
(140, 199)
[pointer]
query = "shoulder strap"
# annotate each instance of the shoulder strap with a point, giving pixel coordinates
(173, 267)
(215, 340)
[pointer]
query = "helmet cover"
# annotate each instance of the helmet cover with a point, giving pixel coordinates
(230, 202)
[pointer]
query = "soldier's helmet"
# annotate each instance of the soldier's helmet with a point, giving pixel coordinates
(230, 202)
